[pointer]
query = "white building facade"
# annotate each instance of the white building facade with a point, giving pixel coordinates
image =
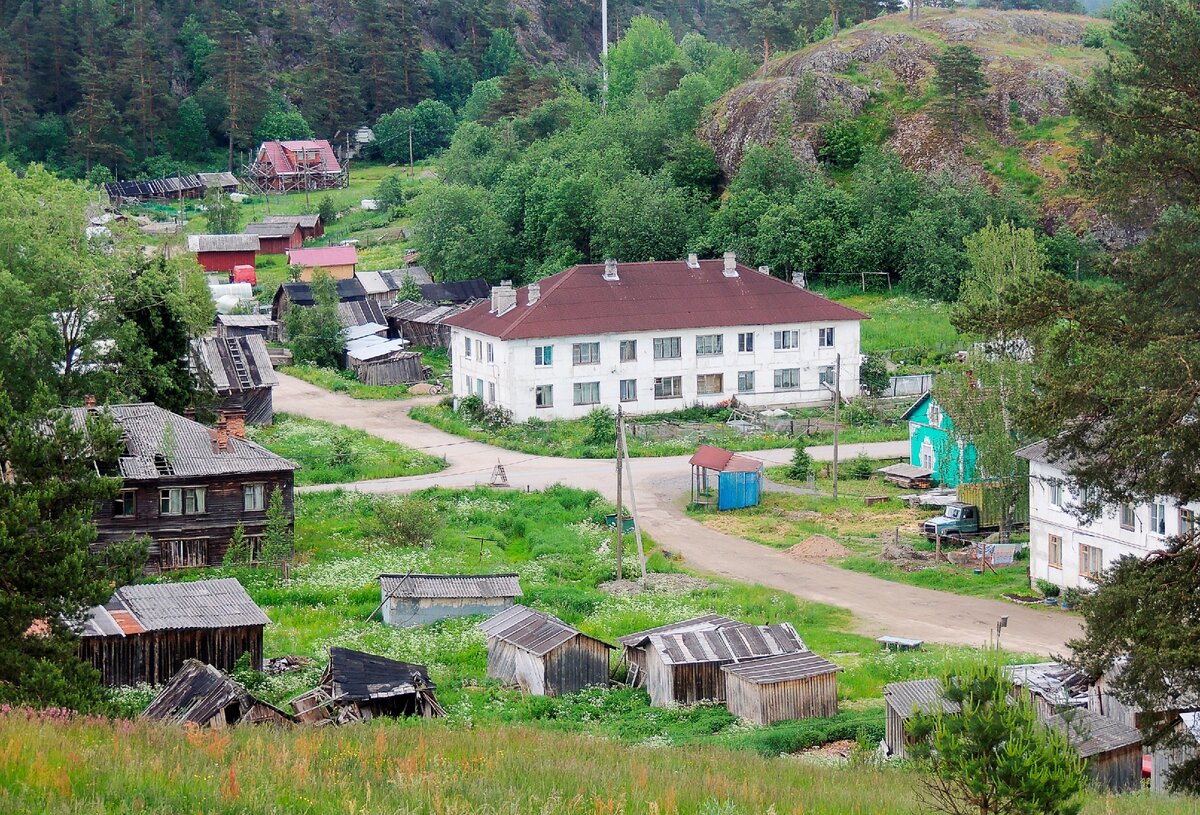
(1068, 552)
(605, 346)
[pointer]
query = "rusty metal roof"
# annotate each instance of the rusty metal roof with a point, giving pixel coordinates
(706, 622)
(653, 296)
(782, 668)
(450, 585)
(731, 643)
(531, 630)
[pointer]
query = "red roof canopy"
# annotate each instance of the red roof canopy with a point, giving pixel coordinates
(283, 155)
(324, 256)
(722, 460)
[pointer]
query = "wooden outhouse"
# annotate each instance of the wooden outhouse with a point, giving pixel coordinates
(1112, 749)
(782, 688)
(902, 700)
(418, 599)
(358, 687)
(541, 654)
(145, 633)
(201, 695)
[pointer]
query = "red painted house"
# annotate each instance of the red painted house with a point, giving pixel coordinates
(220, 253)
(275, 238)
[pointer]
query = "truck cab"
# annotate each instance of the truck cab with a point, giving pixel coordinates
(958, 519)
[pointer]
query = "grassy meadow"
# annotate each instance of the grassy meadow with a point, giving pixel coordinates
(332, 454)
(913, 332)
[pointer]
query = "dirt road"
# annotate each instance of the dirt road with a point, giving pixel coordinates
(880, 606)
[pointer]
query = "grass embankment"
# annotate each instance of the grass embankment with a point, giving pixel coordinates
(913, 332)
(87, 765)
(332, 454)
(344, 381)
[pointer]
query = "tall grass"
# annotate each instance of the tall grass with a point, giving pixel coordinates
(334, 381)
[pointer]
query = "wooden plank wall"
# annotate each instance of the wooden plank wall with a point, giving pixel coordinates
(579, 663)
(156, 656)
(682, 684)
(894, 733)
(1118, 769)
(808, 698)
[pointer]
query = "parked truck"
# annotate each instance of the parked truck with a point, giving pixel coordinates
(958, 520)
(977, 511)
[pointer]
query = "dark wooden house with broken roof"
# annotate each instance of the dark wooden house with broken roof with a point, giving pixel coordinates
(782, 688)
(240, 373)
(187, 486)
(542, 655)
(203, 696)
(146, 633)
(358, 687)
(422, 323)
(418, 599)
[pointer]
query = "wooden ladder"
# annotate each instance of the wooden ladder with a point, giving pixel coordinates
(239, 362)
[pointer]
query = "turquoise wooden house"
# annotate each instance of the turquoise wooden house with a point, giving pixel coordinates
(932, 445)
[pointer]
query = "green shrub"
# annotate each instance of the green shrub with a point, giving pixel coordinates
(406, 521)
(1048, 589)
(874, 375)
(1095, 36)
(857, 413)
(602, 427)
(842, 143)
(860, 467)
(802, 463)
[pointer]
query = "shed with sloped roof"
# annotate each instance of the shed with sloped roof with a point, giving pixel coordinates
(782, 688)
(203, 696)
(903, 699)
(541, 654)
(358, 687)
(634, 645)
(418, 599)
(1111, 748)
(240, 372)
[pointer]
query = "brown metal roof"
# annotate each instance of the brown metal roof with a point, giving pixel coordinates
(703, 623)
(652, 296)
(782, 668)
(450, 585)
(733, 643)
(531, 630)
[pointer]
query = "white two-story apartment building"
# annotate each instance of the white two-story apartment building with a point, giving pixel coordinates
(653, 337)
(1066, 551)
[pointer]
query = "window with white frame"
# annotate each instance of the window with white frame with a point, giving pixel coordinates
(710, 345)
(825, 376)
(492, 392)
(668, 387)
(543, 396)
(1054, 551)
(467, 347)
(479, 349)
(928, 455)
(745, 342)
(745, 381)
(787, 379)
(710, 383)
(1158, 519)
(667, 348)
(1128, 516)
(785, 340)
(1187, 521)
(825, 337)
(1091, 560)
(628, 350)
(934, 415)
(628, 390)
(254, 497)
(181, 501)
(587, 393)
(491, 353)
(1056, 493)
(125, 504)
(543, 355)
(585, 353)
(479, 388)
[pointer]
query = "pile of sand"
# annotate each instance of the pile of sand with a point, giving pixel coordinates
(817, 547)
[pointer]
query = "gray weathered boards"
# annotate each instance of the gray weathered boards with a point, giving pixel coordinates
(418, 599)
(780, 688)
(203, 696)
(541, 654)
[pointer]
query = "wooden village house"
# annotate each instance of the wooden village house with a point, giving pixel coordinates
(422, 323)
(145, 633)
(275, 237)
(311, 226)
(187, 486)
(781, 688)
(220, 253)
(239, 371)
(203, 696)
(419, 599)
(295, 166)
(243, 325)
(541, 654)
(358, 687)
(339, 261)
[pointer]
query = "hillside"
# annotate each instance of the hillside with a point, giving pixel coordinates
(879, 75)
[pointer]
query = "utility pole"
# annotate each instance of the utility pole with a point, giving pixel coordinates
(618, 534)
(604, 54)
(837, 404)
(637, 524)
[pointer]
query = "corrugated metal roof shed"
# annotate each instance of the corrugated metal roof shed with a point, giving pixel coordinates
(419, 312)
(456, 291)
(216, 355)
(924, 695)
(1092, 734)
(704, 623)
(365, 331)
(220, 603)
(450, 585)
(727, 643)
(245, 320)
(223, 243)
(303, 221)
(531, 630)
(358, 676)
(381, 349)
(782, 668)
(361, 312)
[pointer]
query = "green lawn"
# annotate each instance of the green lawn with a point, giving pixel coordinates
(332, 454)
(915, 333)
(344, 382)
(945, 577)
(848, 483)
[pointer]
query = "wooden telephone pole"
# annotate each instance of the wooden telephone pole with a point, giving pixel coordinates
(618, 533)
(623, 459)
(837, 404)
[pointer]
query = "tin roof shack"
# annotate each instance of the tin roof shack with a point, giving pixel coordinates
(338, 261)
(311, 226)
(422, 323)
(189, 487)
(203, 696)
(244, 325)
(418, 599)
(782, 688)
(739, 479)
(634, 645)
(146, 633)
(1112, 749)
(541, 654)
(684, 667)
(459, 292)
(1052, 686)
(357, 687)
(384, 362)
(274, 237)
(902, 699)
(220, 253)
(240, 372)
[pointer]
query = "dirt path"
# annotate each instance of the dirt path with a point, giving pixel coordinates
(880, 606)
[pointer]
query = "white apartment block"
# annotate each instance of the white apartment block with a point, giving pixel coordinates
(653, 337)
(1066, 551)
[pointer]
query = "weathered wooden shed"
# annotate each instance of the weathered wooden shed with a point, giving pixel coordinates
(902, 700)
(385, 363)
(634, 645)
(422, 323)
(244, 325)
(781, 688)
(145, 633)
(1051, 686)
(541, 654)
(358, 687)
(220, 253)
(418, 599)
(240, 372)
(684, 667)
(203, 696)
(1112, 749)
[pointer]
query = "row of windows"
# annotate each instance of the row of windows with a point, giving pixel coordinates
(671, 387)
(186, 501)
(1128, 512)
(1091, 558)
(491, 351)
(707, 345)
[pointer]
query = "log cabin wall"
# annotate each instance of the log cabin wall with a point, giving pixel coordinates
(155, 656)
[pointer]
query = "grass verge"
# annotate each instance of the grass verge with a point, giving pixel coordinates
(344, 382)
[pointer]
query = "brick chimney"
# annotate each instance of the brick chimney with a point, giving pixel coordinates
(730, 269)
(610, 269)
(235, 423)
(693, 261)
(222, 430)
(504, 297)
(534, 291)
(89, 401)
(798, 280)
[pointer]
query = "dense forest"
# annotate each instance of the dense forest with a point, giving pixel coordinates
(145, 87)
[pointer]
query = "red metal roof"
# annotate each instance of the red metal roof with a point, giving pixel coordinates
(324, 256)
(129, 623)
(281, 155)
(722, 460)
(656, 295)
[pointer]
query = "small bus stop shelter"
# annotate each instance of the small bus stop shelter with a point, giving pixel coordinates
(738, 479)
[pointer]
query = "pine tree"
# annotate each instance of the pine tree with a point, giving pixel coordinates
(14, 89)
(142, 74)
(378, 76)
(330, 100)
(237, 75)
(959, 82)
(278, 538)
(98, 134)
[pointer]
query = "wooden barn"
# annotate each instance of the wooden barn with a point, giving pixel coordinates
(418, 599)
(362, 312)
(1112, 749)
(295, 166)
(274, 237)
(311, 226)
(146, 633)
(202, 696)
(633, 646)
(245, 325)
(782, 688)
(358, 687)
(902, 699)
(339, 261)
(422, 323)
(220, 253)
(541, 654)
(187, 488)
(239, 371)
(301, 294)
(684, 667)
